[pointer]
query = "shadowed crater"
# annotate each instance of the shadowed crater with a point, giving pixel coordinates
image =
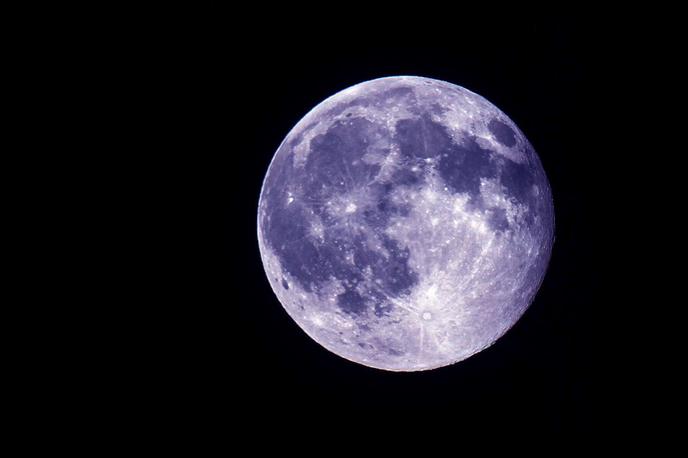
(503, 133)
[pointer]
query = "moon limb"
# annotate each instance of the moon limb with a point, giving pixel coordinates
(456, 250)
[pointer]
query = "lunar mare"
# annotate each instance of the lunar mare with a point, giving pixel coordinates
(405, 223)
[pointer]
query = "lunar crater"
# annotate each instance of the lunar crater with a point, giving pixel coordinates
(409, 222)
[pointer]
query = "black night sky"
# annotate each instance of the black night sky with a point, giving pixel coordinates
(552, 372)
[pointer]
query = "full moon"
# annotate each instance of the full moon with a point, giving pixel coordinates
(405, 223)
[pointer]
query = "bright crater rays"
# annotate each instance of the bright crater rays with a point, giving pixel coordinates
(405, 223)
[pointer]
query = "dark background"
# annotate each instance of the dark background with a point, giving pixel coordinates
(161, 124)
(557, 370)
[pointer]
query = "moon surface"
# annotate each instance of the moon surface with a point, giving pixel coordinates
(405, 223)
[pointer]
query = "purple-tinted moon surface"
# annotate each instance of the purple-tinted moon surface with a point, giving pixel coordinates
(405, 223)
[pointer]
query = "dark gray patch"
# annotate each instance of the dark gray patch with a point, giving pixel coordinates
(388, 348)
(287, 232)
(334, 164)
(284, 226)
(329, 260)
(405, 176)
(394, 272)
(285, 285)
(393, 351)
(498, 220)
(503, 133)
(543, 204)
(333, 167)
(375, 218)
(421, 137)
(518, 179)
(334, 253)
(437, 109)
(383, 309)
(462, 166)
(298, 256)
(351, 302)
(378, 215)
(375, 298)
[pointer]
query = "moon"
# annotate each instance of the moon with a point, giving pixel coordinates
(405, 223)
